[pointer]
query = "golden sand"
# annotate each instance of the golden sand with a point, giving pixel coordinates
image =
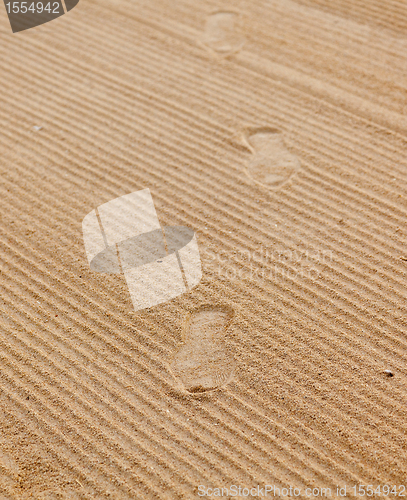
(277, 131)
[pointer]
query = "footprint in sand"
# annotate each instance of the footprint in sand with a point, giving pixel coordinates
(9, 474)
(203, 364)
(271, 163)
(221, 33)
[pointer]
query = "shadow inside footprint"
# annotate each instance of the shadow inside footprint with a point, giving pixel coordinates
(203, 364)
(271, 163)
(221, 34)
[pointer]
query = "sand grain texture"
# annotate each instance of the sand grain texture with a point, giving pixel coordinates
(302, 232)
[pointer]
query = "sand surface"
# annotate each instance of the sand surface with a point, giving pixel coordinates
(277, 131)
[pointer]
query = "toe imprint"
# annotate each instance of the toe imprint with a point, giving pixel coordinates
(221, 34)
(271, 163)
(203, 364)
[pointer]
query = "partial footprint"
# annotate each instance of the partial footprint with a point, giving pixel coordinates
(9, 475)
(271, 163)
(221, 33)
(203, 364)
(8, 463)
